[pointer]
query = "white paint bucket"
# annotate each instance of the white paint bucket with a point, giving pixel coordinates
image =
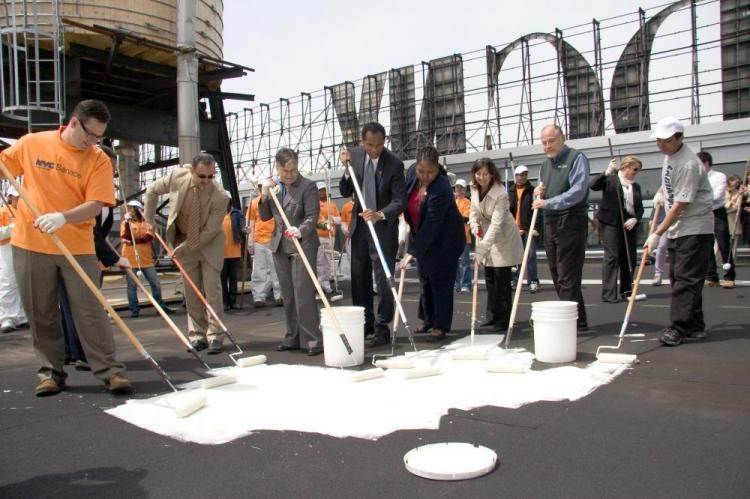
(554, 330)
(352, 320)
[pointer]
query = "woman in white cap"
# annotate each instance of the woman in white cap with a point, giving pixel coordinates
(137, 235)
(12, 315)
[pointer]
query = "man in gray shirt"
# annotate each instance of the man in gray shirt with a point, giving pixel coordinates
(689, 224)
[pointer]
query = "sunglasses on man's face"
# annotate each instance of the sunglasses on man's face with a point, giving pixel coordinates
(204, 177)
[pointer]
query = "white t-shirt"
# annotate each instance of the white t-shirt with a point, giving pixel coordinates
(718, 183)
(685, 181)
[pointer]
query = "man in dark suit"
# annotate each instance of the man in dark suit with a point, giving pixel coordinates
(381, 176)
(299, 200)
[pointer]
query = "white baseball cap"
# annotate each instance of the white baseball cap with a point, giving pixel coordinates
(135, 203)
(320, 185)
(666, 127)
(461, 182)
(520, 169)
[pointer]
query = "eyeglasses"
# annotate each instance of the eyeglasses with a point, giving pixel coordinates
(89, 134)
(204, 177)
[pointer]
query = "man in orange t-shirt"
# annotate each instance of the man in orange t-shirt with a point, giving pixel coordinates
(521, 197)
(69, 180)
(328, 218)
(263, 278)
(234, 231)
(463, 275)
(136, 235)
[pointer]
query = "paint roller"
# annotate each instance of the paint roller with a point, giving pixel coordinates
(395, 363)
(203, 300)
(185, 403)
(472, 352)
(389, 361)
(368, 374)
(622, 358)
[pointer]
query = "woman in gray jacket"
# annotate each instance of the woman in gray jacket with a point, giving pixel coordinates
(498, 245)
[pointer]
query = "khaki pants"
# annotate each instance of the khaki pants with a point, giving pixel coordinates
(38, 275)
(202, 325)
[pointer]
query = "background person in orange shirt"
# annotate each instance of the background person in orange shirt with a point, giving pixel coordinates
(463, 275)
(234, 230)
(327, 221)
(345, 266)
(136, 237)
(12, 315)
(263, 278)
(69, 180)
(520, 197)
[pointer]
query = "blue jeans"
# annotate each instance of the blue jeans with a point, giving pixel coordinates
(532, 274)
(153, 281)
(463, 274)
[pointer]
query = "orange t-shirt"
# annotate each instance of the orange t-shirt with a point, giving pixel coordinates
(323, 217)
(517, 214)
(58, 177)
(231, 249)
(5, 219)
(262, 231)
(464, 207)
(138, 231)
(346, 212)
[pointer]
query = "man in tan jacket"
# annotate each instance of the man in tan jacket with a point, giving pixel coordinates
(197, 207)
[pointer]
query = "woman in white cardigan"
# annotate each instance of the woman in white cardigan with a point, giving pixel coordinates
(498, 245)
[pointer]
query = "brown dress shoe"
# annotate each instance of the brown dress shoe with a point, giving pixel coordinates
(48, 386)
(118, 383)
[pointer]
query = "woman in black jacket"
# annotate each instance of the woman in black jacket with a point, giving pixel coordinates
(619, 213)
(438, 239)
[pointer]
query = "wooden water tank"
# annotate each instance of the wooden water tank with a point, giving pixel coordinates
(154, 20)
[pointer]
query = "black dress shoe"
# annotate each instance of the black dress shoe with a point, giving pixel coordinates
(314, 351)
(284, 348)
(198, 345)
(215, 347)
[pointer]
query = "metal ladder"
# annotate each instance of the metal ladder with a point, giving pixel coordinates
(32, 63)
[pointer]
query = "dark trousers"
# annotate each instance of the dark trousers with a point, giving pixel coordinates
(616, 261)
(499, 301)
(365, 261)
(565, 245)
(73, 348)
(721, 233)
(436, 294)
(229, 281)
(687, 271)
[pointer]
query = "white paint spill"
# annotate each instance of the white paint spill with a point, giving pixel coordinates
(322, 400)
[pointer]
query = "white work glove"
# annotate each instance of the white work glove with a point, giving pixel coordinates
(630, 223)
(265, 186)
(50, 222)
(652, 242)
(659, 198)
(128, 216)
(293, 232)
(477, 231)
(611, 168)
(539, 190)
(404, 263)
(336, 220)
(535, 233)
(123, 263)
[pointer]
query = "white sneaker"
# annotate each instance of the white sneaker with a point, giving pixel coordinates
(657, 280)
(464, 289)
(533, 287)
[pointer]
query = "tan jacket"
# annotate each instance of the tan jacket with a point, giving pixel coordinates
(176, 185)
(500, 245)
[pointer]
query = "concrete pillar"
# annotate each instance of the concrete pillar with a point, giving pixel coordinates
(130, 177)
(188, 129)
